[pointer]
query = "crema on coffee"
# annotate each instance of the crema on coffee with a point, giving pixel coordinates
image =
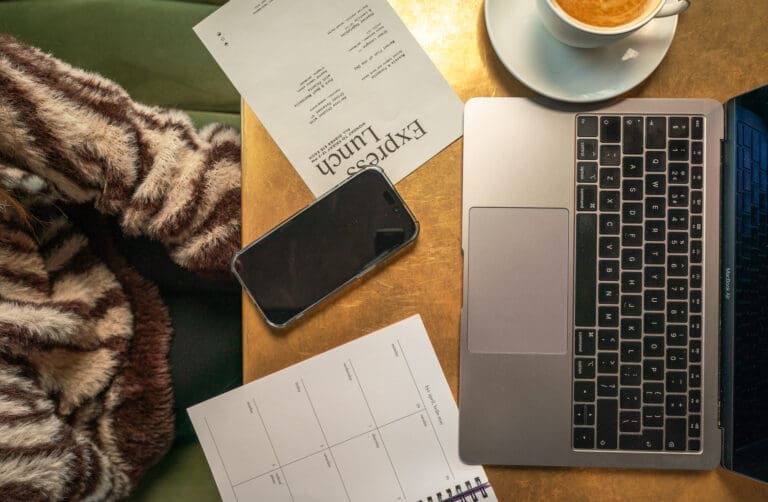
(607, 13)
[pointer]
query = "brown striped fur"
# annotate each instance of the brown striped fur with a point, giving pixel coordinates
(85, 394)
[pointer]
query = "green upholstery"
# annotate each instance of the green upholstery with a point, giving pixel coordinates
(149, 48)
(182, 475)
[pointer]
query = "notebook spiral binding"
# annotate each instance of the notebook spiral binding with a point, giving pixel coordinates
(467, 493)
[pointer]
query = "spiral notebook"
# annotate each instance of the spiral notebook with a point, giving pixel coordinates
(371, 420)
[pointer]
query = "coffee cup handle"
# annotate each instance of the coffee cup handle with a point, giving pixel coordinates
(673, 7)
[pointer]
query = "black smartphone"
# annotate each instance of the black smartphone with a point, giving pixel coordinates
(314, 253)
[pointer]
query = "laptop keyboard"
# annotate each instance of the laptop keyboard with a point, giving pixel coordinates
(638, 299)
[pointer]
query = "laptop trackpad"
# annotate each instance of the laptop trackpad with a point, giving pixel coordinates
(518, 280)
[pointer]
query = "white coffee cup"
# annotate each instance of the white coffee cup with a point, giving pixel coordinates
(573, 32)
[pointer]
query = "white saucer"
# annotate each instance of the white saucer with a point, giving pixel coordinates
(566, 73)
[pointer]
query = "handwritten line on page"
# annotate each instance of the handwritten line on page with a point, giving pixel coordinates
(339, 84)
(371, 420)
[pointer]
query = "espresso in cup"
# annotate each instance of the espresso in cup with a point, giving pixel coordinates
(608, 13)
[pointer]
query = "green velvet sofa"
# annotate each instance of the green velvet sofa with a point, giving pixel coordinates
(149, 48)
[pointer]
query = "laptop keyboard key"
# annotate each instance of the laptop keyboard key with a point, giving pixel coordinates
(608, 271)
(653, 416)
(654, 277)
(585, 342)
(632, 189)
(694, 326)
(655, 254)
(607, 386)
(678, 196)
(653, 439)
(630, 352)
(697, 177)
(676, 381)
(607, 362)
(609, 247)
(610, 155)
(695, 356)
(608, 293)
(584, 368)
(608, 317)
(655, 207)
(653, 393)
(655, 230)
(697, 127)
(674, 434)
(607, 418)
(632, 212)
(630, 374)
(696, 276)
(584, 392)
(632, 167)
(677, 265)
(654, 299)
(631, 259)
(586, 247)
(677, 312)
(655, 184)
(653, 369)
(610, 129)
(633, 135)
(629, 421)
(677, 359)
(678, 149)
(609, 224)
(610, 177)
(653, 346)
(609, 201)
(586, 126)
(677, 242)
(586, 198)
(653, 323)
(586, 149)
(584, 414)
(631, 328)
(676, 405)
(631, 282)
(696, 251)
(586, 172)
(694, 401)
(678, 127)
(630, 398)
(584, 438)
(608, 339)
(697, 201)
(656, 132)
(632, 235)
(678, 173)
(697, 152)
(694, 376)
(677, 335)
(655, 162)
(694, 426)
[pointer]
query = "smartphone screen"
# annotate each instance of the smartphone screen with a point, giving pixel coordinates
(341, 235)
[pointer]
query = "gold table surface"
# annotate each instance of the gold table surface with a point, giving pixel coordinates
(720, 50)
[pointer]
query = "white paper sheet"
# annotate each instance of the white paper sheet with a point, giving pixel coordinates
(339, 84)
(372, 420)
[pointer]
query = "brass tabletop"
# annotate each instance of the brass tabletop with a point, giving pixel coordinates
(720, 50)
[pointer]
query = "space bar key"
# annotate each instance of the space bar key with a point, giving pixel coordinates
(586, 270)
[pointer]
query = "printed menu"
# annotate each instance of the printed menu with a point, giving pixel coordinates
(339, 84)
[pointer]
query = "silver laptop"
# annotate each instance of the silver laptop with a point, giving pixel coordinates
(591, 320)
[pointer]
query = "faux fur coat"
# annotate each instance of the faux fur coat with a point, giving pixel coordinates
(85, 394)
